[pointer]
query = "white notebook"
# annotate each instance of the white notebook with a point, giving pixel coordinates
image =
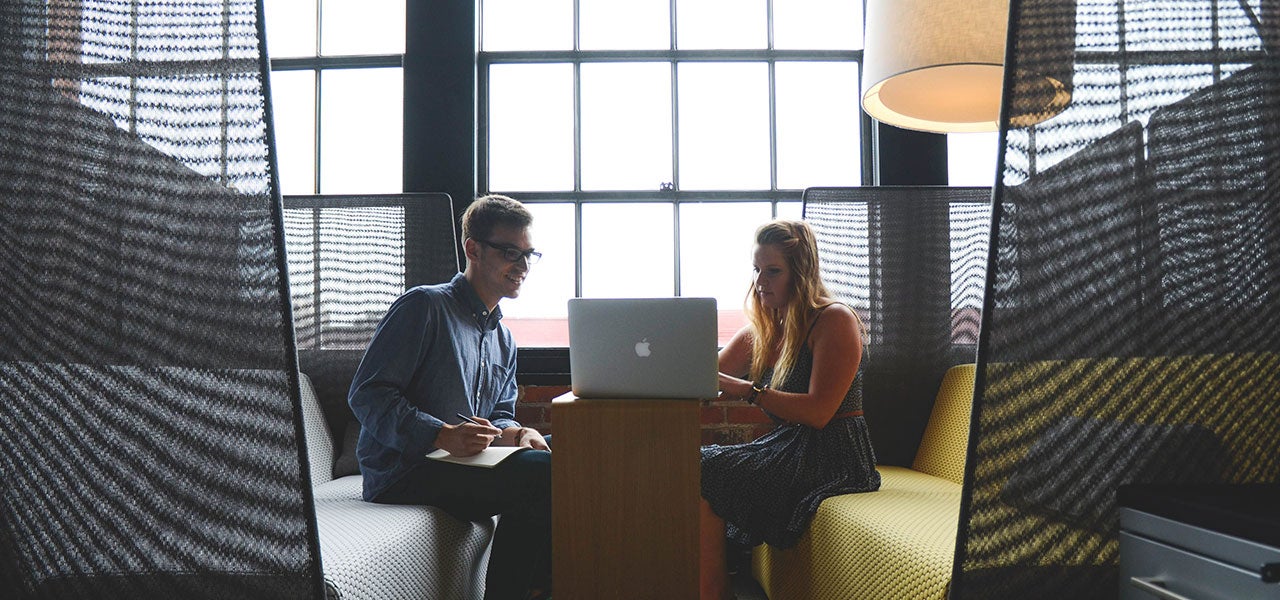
(487, 458)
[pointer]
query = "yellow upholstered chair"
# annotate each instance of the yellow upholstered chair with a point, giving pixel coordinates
(892, 544)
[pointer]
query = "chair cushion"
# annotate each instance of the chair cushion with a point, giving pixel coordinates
(390, 552)
(319, 441)
(896, 543)
(945, 443)
(347, 463)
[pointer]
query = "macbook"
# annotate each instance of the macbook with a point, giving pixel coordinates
(643, 347)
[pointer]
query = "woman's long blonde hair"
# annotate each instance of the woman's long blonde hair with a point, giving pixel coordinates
(790, 325)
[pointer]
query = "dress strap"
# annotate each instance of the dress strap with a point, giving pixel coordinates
(815, 321)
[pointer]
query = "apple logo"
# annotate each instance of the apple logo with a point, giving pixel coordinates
(642, 348)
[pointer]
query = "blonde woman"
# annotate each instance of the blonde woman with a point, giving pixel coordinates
(799, 360)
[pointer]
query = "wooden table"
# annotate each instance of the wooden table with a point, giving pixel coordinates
(625, 489)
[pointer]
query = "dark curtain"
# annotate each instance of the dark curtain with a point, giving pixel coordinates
(150, 427)
(1129, 327)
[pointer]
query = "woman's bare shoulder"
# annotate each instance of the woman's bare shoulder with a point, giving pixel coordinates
(834, 310)
(839, 319)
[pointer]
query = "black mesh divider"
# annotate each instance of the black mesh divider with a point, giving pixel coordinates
(150, 425)
(350, 257)
(911, 261)
(1130, 321)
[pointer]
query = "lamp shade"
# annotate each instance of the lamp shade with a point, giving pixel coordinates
(938, 65)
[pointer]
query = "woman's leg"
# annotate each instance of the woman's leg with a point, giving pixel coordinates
(714, 581)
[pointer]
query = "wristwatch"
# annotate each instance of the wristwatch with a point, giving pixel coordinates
(756, 390)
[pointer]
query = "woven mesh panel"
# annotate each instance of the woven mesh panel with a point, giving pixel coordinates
(1130, 324)
(350, 257)
(911, 261)
(149, 422)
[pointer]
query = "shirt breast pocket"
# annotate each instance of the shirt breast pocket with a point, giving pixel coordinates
(495, 377)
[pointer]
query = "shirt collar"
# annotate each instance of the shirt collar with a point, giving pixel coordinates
(466, 294)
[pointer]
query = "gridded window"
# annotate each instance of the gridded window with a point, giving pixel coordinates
(337, 94)
(652, 138)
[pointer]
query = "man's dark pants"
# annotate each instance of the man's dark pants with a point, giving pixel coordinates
(518, 489)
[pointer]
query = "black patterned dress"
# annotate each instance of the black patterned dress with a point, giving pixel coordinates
(768, 490)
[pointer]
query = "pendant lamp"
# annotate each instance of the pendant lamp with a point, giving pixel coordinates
(938, 65)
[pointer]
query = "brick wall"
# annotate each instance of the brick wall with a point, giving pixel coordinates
(533, 405)
(722, 422)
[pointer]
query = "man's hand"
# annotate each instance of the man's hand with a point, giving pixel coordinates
(466, 439)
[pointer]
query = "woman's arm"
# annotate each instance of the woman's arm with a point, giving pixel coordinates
(735, 362)
(836, 344)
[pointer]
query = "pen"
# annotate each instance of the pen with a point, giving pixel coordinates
(475, 422)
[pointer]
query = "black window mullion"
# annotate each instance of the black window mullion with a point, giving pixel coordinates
(675, 126)
(749, 55)
(768, 24)
(652, 196)
(577, 247)
(773, 125)
(316, 151)
(577, 158)
(773, 103)
(673, 11)
(315, 157)
(482, 121)
(675, 225)
(319, 26)
(577, 126)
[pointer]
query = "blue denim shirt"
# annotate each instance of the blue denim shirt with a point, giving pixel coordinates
(437, 352)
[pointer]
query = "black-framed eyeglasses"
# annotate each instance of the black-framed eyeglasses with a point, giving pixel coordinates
(512, 253)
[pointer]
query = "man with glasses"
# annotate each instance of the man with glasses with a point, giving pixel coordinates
(440, 373)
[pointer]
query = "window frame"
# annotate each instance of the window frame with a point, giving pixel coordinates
(546, 360)
(442, 152)
(318, 65)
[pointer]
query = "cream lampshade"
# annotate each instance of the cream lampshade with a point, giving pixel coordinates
(938, 65)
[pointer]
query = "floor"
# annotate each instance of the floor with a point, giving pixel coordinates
(746, 588)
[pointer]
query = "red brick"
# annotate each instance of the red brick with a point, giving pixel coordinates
(760, 430)
(532, 416)
(725, 436)
(713, 436)
(712, 415)
(743, 415)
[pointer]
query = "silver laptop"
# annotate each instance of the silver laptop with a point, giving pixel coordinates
(643, 347)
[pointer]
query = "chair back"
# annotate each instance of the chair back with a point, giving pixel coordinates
(946, 437)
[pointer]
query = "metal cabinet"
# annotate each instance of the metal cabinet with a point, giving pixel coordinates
(1199, 542)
